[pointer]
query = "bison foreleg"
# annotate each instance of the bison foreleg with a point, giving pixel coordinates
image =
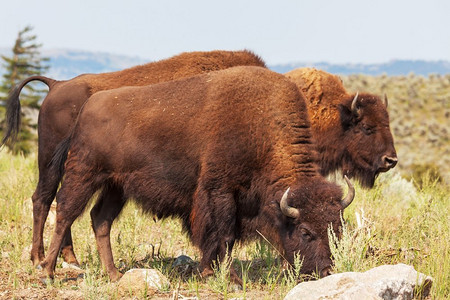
(213, 227)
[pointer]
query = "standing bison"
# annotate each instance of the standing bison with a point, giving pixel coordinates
(230, 153)
(351, 132)
(64, 100)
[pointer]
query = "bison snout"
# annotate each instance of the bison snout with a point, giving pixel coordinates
(388, 162)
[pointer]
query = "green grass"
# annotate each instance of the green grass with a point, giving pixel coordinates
(398, 223)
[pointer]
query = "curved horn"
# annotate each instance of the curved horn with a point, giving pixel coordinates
(354, 108)
(385, 100)
(286, 209)
(351, 194)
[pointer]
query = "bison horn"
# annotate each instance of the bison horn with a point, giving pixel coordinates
(287, 210)
(355, 110)
(385, 100)
(351, 194)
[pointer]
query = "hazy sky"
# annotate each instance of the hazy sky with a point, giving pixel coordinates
(336, 31)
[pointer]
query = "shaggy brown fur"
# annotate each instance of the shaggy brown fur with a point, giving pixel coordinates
(359, 143)
(64, 100)
(216, 150)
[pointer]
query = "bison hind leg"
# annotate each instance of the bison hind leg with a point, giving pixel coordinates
(42, 199)
(108, 207)
(67, 252)
(72, 199)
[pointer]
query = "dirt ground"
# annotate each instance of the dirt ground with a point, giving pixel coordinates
(70, 284)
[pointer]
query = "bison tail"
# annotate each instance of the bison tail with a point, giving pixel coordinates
(59, 158)
(13, 116)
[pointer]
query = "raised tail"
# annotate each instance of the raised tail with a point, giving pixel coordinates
(13, 116)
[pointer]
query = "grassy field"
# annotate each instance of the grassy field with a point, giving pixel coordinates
(404, 219)
(393, 223)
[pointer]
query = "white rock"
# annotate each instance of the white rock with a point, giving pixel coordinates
(383, 282)
(51, 218)
(26, 253)
(70, 266)
(141, 281)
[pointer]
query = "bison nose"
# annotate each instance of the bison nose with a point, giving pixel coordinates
(389, 161)
(326, 272)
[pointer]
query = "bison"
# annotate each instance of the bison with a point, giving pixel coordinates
(64, 100)
(230, 153)
(351, 132)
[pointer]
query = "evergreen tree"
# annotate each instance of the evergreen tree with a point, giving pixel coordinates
(24, 62)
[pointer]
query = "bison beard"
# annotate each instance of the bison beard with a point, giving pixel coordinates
(65, 99)
(217, 151)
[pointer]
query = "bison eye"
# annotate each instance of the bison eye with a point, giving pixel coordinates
(306, 235)
(368, 130)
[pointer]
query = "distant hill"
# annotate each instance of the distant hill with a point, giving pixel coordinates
(392, 68)
(65, 64)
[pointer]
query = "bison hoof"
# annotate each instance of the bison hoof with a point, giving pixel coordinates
(207, 272)
(115, 277)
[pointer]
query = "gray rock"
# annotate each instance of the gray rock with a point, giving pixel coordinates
(182, 260)
(184, 266)
(384, 282)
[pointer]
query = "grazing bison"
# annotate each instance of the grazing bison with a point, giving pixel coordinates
(64, 100)
(351, 132)
(229, 153)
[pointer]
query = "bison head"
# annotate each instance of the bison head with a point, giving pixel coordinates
(308, 211)
(368, 139)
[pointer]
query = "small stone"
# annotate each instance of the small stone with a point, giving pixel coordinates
(182, 260)
(51, 218)
(140, 282)
(184, 266)
(26, 253)
(70, 266)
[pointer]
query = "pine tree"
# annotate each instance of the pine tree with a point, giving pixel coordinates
(25, 61)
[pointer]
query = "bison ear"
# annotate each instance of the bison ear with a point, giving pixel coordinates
(350, 116)
(347, 118)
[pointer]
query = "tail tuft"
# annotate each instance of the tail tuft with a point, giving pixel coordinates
(59, 158)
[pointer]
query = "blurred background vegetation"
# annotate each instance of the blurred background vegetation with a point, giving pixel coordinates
(25, 61)
(419, 109)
